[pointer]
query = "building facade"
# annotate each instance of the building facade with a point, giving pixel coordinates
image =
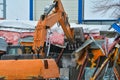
(79, 11)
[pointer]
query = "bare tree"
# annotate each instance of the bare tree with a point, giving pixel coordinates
(104, 6)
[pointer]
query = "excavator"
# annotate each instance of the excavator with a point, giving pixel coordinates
(39, 66)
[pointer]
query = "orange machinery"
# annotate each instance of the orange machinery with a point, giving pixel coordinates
(47, 21)
(39, 68)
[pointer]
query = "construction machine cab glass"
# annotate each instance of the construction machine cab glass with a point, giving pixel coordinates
(19, 50)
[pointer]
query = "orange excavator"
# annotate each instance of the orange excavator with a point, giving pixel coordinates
(42, 68)
(47, 21)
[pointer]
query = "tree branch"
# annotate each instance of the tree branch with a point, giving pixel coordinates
(103, 6)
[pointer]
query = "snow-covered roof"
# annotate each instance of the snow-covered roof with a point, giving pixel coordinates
(29, 26)
(89, 28)
(17, 25)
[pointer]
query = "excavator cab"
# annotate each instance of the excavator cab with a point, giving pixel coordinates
(19, 50)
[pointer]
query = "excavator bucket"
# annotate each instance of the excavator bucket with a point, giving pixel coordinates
(28, 69)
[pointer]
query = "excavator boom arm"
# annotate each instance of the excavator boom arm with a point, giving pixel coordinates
(47, 21)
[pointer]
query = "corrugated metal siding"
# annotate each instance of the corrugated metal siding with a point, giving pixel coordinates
(71, 8)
